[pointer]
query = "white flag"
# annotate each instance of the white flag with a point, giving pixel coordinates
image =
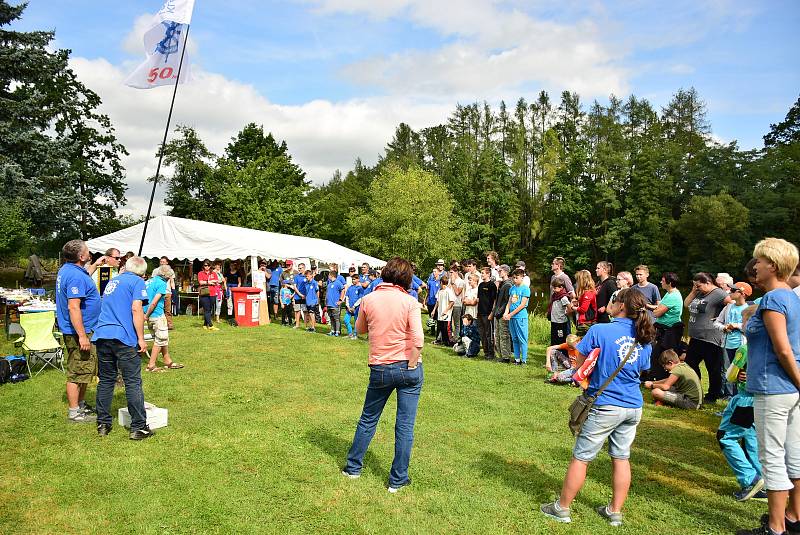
(163, 44)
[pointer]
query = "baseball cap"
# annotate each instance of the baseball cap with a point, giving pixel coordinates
(743, 287)
(289, 263)
(505, 267)
(440, 262)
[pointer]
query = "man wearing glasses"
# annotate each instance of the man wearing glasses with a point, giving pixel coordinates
(105, 268)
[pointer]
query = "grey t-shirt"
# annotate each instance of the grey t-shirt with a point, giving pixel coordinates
(651, 293)
(702, 311)
(558, 312)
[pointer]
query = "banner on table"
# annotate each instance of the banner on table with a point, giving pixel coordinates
(163, 44)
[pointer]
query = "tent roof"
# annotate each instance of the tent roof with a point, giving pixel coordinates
(175, 237)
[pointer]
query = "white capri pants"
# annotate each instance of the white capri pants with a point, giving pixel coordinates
(777, 420)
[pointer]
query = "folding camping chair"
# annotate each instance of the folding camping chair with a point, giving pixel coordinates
(39, 341)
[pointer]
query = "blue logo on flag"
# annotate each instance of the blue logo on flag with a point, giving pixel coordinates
(171, 41)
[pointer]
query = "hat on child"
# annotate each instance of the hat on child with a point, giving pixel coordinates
(440, 262)
(743, 287)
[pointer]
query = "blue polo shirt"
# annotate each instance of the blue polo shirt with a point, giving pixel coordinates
(275, 279)
(157, 285)
(334, 291)
(74, 282)
(433, 288)
(311, 289)
(353, 294)
(300, 284)
(116, 316)
(614, 340)
(765, 374)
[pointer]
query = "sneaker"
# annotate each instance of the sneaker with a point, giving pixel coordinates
(349, 475)
(395, 489)
(615, 519)
(103, 429)
(517, 362)
(761, 495)
(141, 434)
(556, 512)
(763, 529)
(213, 328)
(82, 418)
(331, 333)
(336, 335)
(87, 409)
(749, 491)
(205, 327)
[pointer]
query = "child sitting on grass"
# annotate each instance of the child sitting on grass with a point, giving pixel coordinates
(681, 388)
(562, 356)
(470, 337)
(736, 434)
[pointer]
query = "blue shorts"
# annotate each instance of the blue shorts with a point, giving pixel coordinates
(617, 424)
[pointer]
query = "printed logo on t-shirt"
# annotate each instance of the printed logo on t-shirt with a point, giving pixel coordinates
(110, 287)
(74, 290)
(514, 298)
(624, 344)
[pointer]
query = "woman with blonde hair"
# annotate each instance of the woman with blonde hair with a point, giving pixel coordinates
(585, 302)
(773, 377)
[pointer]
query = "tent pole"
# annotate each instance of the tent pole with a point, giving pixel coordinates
(163, 142)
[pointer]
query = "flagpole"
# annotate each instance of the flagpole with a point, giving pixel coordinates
(164, 141)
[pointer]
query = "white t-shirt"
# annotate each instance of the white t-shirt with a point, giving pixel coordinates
(443, 297)
(471, 293)
(458, 298)
(526, 281)
(797, 291)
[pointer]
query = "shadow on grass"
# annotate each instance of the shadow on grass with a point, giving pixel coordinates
(521, 475)
(338, 447)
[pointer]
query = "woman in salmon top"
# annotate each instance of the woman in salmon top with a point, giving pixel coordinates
(392, 319)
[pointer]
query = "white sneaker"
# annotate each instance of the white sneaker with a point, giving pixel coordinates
(350, 476)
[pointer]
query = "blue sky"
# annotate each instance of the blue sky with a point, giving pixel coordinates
(334, 77)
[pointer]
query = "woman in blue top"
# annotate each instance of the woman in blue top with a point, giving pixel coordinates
(617, 411)
(773, 339)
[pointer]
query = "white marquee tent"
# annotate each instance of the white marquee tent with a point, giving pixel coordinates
(187, 239)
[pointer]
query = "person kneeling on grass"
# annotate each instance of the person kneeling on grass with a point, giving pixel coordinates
(157, 289)
(470, 337)
(562, 357)
(681, 388)
(617, 411)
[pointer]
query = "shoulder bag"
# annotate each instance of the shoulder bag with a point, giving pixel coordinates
(579, 409)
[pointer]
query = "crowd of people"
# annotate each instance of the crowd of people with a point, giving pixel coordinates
(612, 336)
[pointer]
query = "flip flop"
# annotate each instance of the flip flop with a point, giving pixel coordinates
(154, 369)
(173, 366)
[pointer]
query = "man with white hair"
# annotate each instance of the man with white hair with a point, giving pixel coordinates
(119, 337)
(157, 290)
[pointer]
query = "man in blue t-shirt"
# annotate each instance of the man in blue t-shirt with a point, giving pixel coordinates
(120, 338)
(333, 298)
(77, 310)
(157, 290)
(274, 287)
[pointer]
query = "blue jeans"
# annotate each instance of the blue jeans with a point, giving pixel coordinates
(113, 355)
(383, 379)
(347, 316)
(209, 304)
(519, 337)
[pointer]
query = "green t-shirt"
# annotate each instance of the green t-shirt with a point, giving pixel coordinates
(688, 382)
(740, 361)
(674, 303)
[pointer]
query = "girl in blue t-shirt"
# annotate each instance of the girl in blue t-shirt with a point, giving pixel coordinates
(618, 409)
(517, 316)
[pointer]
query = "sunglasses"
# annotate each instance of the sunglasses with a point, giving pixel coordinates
(115, 257)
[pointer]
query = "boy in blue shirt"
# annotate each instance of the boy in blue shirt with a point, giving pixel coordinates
(120, 338)
(286, 302)
(274, 288)
(312, 301)
(299, 280)
(517, 316)
(352, 299)
(333, 299)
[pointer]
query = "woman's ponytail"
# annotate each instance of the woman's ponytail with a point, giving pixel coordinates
(635, 309)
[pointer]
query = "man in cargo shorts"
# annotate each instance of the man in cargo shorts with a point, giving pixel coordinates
(77, 311)
(157, 290)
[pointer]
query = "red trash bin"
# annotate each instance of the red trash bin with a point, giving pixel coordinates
(245, 305)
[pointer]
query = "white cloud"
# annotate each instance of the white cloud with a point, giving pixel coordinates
(321, 135)
(495, 50)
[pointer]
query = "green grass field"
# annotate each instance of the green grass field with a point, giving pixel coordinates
(260, 421)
